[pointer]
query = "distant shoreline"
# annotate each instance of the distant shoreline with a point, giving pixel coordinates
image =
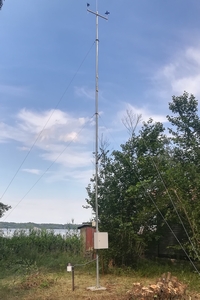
(30, 225)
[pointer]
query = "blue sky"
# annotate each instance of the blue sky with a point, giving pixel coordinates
(148, 51)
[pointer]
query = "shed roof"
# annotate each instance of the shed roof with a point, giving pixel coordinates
(85, 225)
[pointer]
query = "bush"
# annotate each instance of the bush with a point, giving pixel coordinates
(24, 251)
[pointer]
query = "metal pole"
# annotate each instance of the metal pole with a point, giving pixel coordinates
(72, 278)
(97, 117)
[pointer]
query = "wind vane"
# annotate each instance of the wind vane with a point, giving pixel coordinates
(96, 13)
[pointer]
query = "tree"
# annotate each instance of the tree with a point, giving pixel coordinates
(185, 127)
(185, 173)
(124, 182)
(153, 180)
(3, 209)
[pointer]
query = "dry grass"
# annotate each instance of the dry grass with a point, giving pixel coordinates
(58, 287)
(51, 286)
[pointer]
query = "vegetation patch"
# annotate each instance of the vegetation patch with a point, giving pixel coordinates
(37, 280)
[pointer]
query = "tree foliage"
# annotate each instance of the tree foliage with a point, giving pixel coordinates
(152, 180)
(3, 209)
(185, 172)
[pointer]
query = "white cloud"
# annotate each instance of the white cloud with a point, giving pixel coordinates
(50, 126)
(85, 92)
(143, 111)
(182, 73)
(35, 121)
(13, 90)
(70, 158)
(66, 210)
(72, 136)
(32, 171)
(79, 175)
(62, 132)
(193, 54)
(24, 148)
(88, 93)
(8, 132)
(82, 121)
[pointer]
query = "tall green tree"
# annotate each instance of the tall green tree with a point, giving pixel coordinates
(153, 179)
(126, 178)
(185, 129)
(185, 171)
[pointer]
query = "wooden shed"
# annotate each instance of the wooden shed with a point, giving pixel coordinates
(87, 235)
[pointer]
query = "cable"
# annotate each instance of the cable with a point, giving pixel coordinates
(62, 96)
(89, 262)
(41, 176)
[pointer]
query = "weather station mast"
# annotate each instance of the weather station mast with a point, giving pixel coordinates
(100, 238)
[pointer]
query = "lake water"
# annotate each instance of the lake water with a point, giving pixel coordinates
(5, 232)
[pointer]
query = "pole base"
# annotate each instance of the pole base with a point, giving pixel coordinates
(95, 288)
